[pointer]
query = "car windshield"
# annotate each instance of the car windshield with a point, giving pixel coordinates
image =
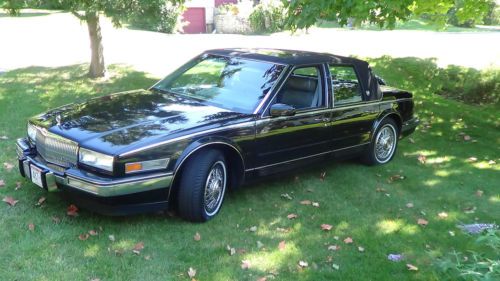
(231, 83)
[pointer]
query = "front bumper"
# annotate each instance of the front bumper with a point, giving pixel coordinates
(148, 190)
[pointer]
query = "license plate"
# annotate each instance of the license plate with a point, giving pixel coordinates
(36, 176)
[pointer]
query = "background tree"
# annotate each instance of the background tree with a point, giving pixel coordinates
(385, 13)
(89, 11)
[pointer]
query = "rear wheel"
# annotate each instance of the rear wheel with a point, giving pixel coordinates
(384, 143)
(202, 186)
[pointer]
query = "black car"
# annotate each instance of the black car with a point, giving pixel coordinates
(223, 118)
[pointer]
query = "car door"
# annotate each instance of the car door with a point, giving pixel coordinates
(352, 115)
(281, 140)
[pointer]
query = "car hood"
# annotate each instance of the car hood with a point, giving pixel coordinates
(113, 123)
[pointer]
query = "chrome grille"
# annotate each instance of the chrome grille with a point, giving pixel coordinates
(56, 149)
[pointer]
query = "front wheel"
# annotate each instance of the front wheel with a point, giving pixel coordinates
(384, 143)
(203, 185)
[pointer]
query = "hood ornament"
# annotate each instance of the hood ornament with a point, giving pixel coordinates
(58, 119)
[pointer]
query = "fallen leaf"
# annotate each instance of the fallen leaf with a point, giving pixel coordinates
(422, 222)
(231, 250)
(138, 248)
(491, 162)
(451, 232)
(422, 159)
(361, 249)
(326, 227)
(259, 245)
(31, 227)
(18, 185)
(409, 205)
(95, 279)
(111, 238)
(262, 279)
(305, 202)
(333, 248)
(8, 166)
(9, 200)
(443, 215)
(292, 216)
(286, 196)
(479, 193)
(467, 138)
(472, 159)
(4, 138)
(197, 237)
(93, 232)
(282, 245)
(83, 236)
(335, 266)
(303, 264)
(72, 211)
(245, 264)
(470, 210)
(380, 189)
(41, 201)
(253, 228)
(322, 176)
(411, 267)
(191, 272)
(411, 140)
(348, 240)
(315, 204)
(2, 183)
(396, 178)
(56, 220)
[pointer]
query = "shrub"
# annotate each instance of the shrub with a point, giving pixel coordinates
(471, 85)
(268, 17)
(167, 19)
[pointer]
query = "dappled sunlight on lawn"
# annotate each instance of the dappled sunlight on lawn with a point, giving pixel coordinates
(392, 226)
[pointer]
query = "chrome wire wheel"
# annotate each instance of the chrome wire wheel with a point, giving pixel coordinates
(385, 143)
(215, 188)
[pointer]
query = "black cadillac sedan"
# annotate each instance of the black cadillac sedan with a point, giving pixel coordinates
(225, 117)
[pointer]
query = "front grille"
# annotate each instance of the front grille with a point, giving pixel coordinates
(56, 149)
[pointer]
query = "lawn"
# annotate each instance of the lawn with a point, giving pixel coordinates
(376, 207)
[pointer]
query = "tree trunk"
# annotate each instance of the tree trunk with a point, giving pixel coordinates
(97, 66)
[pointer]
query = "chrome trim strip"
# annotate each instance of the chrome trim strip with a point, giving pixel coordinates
(239, 125)
(120, 181)
(264, 100)
(305, 157)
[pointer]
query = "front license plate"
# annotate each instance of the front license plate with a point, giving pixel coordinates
(36, 176)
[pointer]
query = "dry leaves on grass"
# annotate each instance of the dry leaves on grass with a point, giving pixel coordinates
(303, 264)
(326, 227)
(394, 178)
(422, 222)
(322, 176)
(8, 166)
(138, 248)
(84, 236)
(2, 183)
(305, 202)
(422, 159)
(411, 267)
(9, 200)
(479, 193)
(197, 237)
(72, 211)
(18, 185)
(333, 248)
(31, 227)
(282, 245)
(292, 216)
(93, 232)
(348, 240)
(409, 205)
(56, 220)
(231, 250)
(245, 264)
(315, 204)
(443, 215)
(361, 249)
(4, 138)
(191, 272)
(40, 202)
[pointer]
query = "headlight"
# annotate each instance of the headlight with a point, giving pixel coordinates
(95, 159)
(146, 165)
(32, 132)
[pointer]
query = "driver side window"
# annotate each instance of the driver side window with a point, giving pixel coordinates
(303, 89)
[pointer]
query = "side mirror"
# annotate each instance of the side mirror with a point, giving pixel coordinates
(380, 80)
(280, 109)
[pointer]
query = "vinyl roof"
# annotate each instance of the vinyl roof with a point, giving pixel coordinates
(289, 57)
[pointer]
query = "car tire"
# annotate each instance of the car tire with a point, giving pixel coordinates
(203, 183)
(383, 144)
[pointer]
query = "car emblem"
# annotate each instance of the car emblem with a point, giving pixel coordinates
(58, 119)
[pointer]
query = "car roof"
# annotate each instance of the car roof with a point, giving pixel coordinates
(288, 57)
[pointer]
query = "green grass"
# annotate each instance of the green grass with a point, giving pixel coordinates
(359, 201)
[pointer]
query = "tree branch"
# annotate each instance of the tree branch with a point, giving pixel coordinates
(76, 14)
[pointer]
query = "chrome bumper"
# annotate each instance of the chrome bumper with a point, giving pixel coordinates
(85, 181)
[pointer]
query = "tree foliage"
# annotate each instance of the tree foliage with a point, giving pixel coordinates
(384, 13)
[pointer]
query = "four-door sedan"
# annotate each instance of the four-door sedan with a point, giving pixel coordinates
(225, 117)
